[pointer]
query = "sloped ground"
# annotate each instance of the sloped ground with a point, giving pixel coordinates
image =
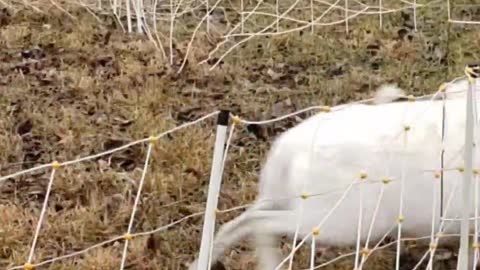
(70, 88)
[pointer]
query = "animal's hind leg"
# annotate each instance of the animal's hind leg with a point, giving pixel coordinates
(471, 258)
(227, 235)
(268, 252)
(252, 222)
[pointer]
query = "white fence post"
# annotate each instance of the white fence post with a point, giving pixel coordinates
(213, 190)
(471, 72)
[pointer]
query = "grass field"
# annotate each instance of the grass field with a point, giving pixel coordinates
(75, 87)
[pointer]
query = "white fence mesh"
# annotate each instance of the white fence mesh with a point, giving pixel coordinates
(277, 17)
(230, 24)
(363, 251)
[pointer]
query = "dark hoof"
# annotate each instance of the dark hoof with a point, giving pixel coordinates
(218, 266)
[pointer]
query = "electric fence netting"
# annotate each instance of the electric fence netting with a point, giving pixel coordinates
(246, 20)
(222, 144)
(235, 23)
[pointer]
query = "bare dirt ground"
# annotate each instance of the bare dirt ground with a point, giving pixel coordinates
(71, 88)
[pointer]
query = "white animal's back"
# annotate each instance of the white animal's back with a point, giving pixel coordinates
(329, 151)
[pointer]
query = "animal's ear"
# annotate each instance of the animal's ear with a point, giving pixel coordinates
(388, 93)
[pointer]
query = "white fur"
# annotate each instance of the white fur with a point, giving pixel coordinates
(388, 93)
(328, 151)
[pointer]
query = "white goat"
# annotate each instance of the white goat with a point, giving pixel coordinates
(327, 152)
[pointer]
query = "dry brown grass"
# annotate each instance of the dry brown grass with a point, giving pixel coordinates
(88, 87)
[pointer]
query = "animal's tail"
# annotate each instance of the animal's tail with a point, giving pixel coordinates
(388, 93)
